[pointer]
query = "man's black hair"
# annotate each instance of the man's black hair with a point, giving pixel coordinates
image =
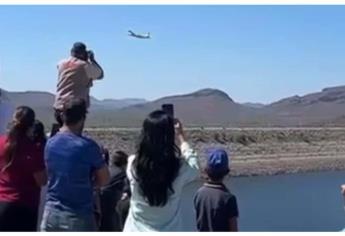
(78, 48)
(74, 110)
(119, 159)
(79, 51)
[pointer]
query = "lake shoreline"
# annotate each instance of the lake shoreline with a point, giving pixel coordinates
(254, 152)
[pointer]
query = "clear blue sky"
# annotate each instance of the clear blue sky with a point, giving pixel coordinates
(254, 53)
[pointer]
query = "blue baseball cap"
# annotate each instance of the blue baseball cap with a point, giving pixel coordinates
(217, 161)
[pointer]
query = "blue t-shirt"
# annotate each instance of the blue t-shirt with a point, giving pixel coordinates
(71, 161)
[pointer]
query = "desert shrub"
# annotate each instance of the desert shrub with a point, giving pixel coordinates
(281, 137)
(224, 137)
(305, 138)
(242, 139)
(251, 138)
(245, 139)
(217, 137)
(198, 137)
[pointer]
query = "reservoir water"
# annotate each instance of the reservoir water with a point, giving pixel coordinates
(298, 202)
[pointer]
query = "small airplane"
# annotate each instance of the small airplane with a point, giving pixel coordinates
(139, 36)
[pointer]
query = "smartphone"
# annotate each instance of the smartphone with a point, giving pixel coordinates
(169, 109)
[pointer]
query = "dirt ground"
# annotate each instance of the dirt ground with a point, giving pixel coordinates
(254, 151)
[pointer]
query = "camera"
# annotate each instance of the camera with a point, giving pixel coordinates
(90, 54)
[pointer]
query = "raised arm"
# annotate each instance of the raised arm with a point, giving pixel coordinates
(93, 69)
(190, 169)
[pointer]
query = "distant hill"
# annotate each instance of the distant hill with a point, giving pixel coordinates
(31, 98)
(109, 104)
(45, 99)
(320, 107)
(42, 103)
(334, 95)
(206, 107)
(253, 105)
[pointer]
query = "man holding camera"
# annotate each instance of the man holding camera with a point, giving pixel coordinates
(76, 76)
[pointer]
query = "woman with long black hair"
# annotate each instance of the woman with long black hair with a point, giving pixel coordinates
(22, 173)
(157, 173)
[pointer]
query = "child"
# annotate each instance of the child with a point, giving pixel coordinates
(216, 208)
(111, 194)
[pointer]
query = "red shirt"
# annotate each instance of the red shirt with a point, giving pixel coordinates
(17, 183)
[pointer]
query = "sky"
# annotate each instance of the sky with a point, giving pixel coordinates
(254, 53)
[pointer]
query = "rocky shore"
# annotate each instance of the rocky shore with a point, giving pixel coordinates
(255, 151)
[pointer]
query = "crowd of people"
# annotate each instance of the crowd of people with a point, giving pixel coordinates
(90, 189)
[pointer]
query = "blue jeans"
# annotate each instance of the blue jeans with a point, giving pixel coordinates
(54, 220)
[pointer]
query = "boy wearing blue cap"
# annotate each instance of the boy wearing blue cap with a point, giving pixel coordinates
(216, 208)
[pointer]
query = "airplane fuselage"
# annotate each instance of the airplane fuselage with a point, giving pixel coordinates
(139, 36)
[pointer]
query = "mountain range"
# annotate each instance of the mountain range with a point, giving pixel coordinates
(206, 107)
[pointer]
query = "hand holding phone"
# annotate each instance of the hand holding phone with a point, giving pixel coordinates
(179, 132)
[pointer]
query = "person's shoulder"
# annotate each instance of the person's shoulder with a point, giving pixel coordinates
(90, 142)
(219, 190)
(88, 139)
(63, 61)
(203, 190)
(51, 141)
(59, 137)
(76, 61)
(231, 196)
(204, 193)
(228, 195)
(67, 62)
